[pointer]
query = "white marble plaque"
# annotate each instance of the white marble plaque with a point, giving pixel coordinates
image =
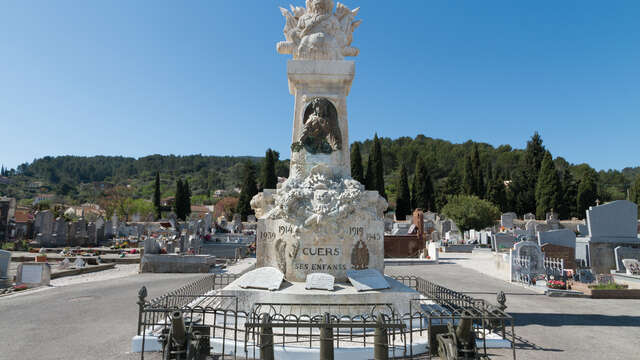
(32, 274)
(320, 281)
(262, 278)
(368, 279)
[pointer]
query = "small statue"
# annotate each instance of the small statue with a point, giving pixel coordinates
(320, 133)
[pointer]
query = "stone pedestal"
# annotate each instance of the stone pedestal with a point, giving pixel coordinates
(320, 79)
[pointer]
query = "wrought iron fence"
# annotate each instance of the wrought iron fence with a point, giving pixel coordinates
(237, 334)
(554, 267)
(521, 266)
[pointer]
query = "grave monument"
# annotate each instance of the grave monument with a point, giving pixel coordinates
(320, 220)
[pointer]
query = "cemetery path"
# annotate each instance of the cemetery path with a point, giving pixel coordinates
(546, 327)
(93, 320)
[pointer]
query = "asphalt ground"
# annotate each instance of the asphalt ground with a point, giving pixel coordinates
(96, 320)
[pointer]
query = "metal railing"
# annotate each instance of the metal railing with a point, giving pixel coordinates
(238, 334)
(554, 267)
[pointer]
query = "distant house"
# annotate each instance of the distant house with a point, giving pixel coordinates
(168, 201)
(199, 211)
(5, 180)
(23, 224)
(218, 193)
(35, 185)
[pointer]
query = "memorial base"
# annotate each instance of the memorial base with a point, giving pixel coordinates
(293, 297)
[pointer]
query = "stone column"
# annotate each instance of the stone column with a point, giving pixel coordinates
(324, 79)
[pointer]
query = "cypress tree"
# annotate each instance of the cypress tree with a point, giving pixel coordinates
(587, 193)
(248, 191)
(524, 181)
(370, 180)
(478, 176)
(178, 206)
(424, 196)
(567, 208)
(469, 184)
(634, 193)
(269, 177)
(156, 197)
(403, 198)
(547, 187)
(379, 166)
(496, 193)
(414, 188)
(187, 198)
(357, 172)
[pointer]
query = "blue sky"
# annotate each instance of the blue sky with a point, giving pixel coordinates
(135, 78)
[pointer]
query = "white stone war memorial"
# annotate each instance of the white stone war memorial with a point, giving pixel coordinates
(319, 241)
(320, 220)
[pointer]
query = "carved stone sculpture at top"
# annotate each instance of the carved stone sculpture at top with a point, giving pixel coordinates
(317, 33)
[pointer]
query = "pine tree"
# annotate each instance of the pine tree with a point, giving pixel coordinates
(548, 188)
(248, 191)
(156, 197)
(424, 194)
(378, 167)
(178, 206)
(370, 180)
(403, 198)
(450, 186)
(357, 173)
(269, 177)
(587, 193)
(414, 188)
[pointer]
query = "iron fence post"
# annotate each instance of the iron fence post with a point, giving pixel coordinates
(326, 339)
(381, 343)
(142, 295)
(266, 338)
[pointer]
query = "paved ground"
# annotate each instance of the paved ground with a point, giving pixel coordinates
(95, 320)
(548, 328)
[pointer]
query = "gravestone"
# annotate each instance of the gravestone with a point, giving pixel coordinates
(506, 220)
(562, 237)
(92, 234)
(529, 216)
(151, 246)
(400, 228)
(530, 226)
(251, 218)
(5, 261)
(64, 264)
(320, 281)
(583, 229)
(624, 252)
(613, 221)
(368, 279)
(605, 279)
(33, 274)
(585, 276)
(60, 232)
(502, 241)
(268, 278)
(79, 263)
(531, 250)
(632, 266)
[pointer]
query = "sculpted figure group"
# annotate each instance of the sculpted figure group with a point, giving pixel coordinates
(317, 33)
